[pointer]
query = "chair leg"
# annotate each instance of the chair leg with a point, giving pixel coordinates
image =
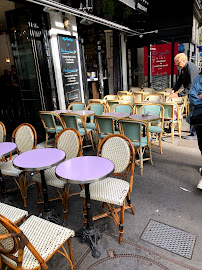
(64, 203)
(91, 138)
(21, 186)
(130, 204)
(150, 154)
(172, 132)
(121, 230)
(72, 266)
(160, 143)
(141, 160)
(38, 193)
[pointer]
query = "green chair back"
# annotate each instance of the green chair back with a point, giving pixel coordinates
(51, 122)
(77, 107)
(122, 108)
(104, 124)
(70, 120)
(97, 108)
(153, 109)
(131, 129)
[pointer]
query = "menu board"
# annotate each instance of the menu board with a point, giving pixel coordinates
(69, 67)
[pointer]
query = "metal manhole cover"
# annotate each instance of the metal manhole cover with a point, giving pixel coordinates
(169, 238)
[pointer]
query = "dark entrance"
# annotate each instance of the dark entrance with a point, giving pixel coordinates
(34, 88)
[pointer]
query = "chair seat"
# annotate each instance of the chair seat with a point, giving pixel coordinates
(57, 130)
(105, 135)
(143, 142)
(12, 213)
(45, 236)
(155, 129)
(110, 190)
(82, 131)
(8, 169)
(51, 179)
(90, 125)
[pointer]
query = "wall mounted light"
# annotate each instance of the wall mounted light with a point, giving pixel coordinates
(8, 60)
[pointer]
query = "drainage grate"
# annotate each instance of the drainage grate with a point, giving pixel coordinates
(169, 238)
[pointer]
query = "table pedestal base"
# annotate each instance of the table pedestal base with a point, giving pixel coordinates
(51, 216)
(92, 235)
(6, 199)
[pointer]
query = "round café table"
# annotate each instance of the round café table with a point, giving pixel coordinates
(86, 170)
(62, 111)
(6, 148)
(40, 160)
(117, 115)
(144, 117)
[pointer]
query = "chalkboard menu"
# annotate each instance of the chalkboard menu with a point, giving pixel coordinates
(69, 67)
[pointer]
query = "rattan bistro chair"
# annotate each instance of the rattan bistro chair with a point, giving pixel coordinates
(2, 132)
(26, 139)
(51, 122)
(70, 141)
(99, 109)
(31, 245)
(156, 128)
(77, 106)
(112, 190)
(132, 129)
(70, 120)
(14, 214)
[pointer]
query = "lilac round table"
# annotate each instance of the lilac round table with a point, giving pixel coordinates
(84, 113)
(6, 148)
(117, 114)
(40, 160)
(86, 170)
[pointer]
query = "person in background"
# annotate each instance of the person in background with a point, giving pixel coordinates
(195, 98)
(188, 72)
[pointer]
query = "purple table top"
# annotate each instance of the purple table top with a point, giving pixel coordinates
(84, 112)
(146, 118)
(62, 111)
(39, 159)
(117, 114)
(7, 148)
(85, 169)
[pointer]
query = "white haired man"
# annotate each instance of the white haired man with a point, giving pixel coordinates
(188, 72)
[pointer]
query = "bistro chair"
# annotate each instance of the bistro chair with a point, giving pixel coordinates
(168, 90)
(32, 244)
(112, 190)
(148, 89)
(52, 123)
(122, 93)
(105, 125)
(111, 103)
(14, 214)
(2, 132)
(154, 97)
(26, 139)
(99, 109)
(95, 100)
(122, 108)
(172, 119)
(129, 99)
(70, 141)
(135, 89)
(138, 96)
(132, 129)
(110, 97)
(77, 106)
(156, 127)
(70, 120)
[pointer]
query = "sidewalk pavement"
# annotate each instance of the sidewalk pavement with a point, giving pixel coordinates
(166, 193)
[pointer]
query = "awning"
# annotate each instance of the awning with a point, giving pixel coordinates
(90, 17)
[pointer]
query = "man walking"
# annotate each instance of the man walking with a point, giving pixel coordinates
(188, 72)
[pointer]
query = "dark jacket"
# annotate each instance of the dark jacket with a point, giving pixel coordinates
(186, 78)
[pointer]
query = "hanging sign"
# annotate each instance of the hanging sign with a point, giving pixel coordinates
(69, 67)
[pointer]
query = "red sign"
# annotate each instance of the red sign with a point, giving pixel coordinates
(160, 59)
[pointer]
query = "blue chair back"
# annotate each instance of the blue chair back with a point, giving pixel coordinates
(122, 108)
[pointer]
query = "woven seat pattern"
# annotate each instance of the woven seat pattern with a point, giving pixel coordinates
(110, 190)
(1, 134)
(24, 138)
(8, 169)
(12, 213)
(45, 236)
(69, 143)
(118, 151)
(51, 179)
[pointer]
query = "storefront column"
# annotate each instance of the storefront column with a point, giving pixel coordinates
(124, 63)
